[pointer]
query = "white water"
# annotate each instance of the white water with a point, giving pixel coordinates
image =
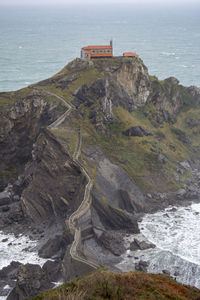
(21, 249)
(176, 236)
(175, 231)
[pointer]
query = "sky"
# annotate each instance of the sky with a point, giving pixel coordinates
(67, 2)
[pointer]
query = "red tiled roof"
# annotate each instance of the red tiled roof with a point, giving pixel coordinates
(96, 47)
(87, 51)
(101, 54)
(130, 54)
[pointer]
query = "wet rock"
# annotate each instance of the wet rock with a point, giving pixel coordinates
(180, 193)
(176, 273)
(173, 209)
(13, 215)
(31, 280)
(9, 272)
(166, 272)
(140, 245)
(4, 240)
(141, 266)
(5, 208)
(113, 241)
(5, 198)
(53, 270)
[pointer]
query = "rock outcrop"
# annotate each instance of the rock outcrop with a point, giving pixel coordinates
(31, 280)
(124, 142)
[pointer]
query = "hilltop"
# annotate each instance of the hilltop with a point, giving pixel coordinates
(85, 153)
(133, 285)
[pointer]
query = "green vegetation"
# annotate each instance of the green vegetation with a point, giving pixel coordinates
(103, 284)
(139, 156)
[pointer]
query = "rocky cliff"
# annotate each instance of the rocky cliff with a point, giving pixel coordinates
(91, 149)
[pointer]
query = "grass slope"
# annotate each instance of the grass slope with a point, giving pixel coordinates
(127, 286)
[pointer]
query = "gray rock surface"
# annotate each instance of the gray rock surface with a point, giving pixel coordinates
(140, 245)
(31, 280)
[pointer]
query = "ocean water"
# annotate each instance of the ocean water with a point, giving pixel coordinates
(36, 42)
(20, 249)
(175, 232)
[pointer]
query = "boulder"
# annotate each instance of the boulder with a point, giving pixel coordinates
(9, 272)
(166, 272)
(141, 266)
(31, 280)
(113, 241)
(5, 198)
(53, 270)
(140, 245)
(137, 131)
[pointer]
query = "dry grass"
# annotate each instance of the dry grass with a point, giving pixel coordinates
(127, 286)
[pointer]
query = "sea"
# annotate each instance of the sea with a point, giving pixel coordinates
(38, 41)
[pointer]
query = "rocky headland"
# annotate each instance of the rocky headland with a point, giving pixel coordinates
(84, 155)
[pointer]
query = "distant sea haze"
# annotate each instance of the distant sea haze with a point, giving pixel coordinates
(36, 42)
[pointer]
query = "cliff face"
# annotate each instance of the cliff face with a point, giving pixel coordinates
(54, 185)
(125, 144)
(22, 119)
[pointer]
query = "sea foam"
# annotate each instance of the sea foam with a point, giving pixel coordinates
(20, 249)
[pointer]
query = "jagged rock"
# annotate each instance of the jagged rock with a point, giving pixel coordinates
(176, 273)
(5, 208)
(140, 245)
(31, 280)
(55, 247)
(137, 131)
(12, 215)
(5, 198)
(180, 193)
(40, 204)
(141, 266)
(9, 272)
(53, 270)
(195, 92)
(64, 82)
(112, 241)
(166, 272)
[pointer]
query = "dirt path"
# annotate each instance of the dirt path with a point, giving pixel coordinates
(85, 204)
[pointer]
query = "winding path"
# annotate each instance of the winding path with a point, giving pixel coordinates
(85, 204)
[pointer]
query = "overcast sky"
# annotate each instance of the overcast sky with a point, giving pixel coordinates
(56, 2)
